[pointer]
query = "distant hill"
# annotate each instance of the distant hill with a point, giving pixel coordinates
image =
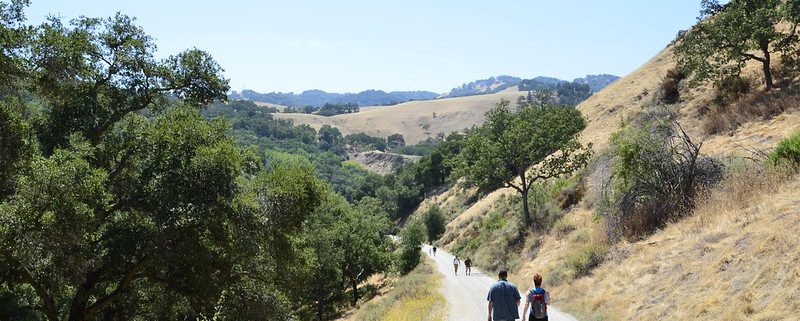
(597, 82)
(318, 97)
(489, 85)
(497, 84)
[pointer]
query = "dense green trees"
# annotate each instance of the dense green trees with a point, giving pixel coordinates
(330, 139)
(363, 141)
(411, 239)
(120, 200)
(434, 223)
(732, 34)
(349, 244)
(515, 149)
(395, 140)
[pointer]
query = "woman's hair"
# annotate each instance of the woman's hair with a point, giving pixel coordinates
(537, 280)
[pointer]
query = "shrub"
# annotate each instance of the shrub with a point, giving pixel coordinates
(736, 106)
(788, 151)
(580, 236)
(586, 258)
(563, 226)
(657, 172)
(670, 89)
(555, 276)
(434, 223)
(411, 239)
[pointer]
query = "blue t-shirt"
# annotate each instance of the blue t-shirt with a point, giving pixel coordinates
(504, 295)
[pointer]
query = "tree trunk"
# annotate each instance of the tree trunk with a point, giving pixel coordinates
(765, 64)
(525, 210)
(354, 284)
(320, 302)
(524, 187)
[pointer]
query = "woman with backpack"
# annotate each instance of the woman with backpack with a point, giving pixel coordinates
(538, 299)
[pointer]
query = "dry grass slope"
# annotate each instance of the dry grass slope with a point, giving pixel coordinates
(736, 258)
(416, 120)
(416, 296)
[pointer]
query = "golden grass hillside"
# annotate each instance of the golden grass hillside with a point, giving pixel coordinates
(416, 120)
(735, 258)
(415, 296)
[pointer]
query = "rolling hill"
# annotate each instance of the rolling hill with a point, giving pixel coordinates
(415, 120)
(734, 258)
(318, 97)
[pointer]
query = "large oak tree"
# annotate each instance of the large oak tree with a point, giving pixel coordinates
(108, 214)
(730, 35)
(517, 149)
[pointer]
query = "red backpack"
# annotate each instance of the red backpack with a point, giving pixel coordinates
(538, 304)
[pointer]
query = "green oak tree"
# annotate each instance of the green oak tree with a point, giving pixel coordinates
(411, 238)
(516, 149)
(347, 244)
(434, 223)
(395, 140)
(107, 214)
(730, 35)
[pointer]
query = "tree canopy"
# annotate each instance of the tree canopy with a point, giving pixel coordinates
(121, 198)
(515, 149)
(730, 35)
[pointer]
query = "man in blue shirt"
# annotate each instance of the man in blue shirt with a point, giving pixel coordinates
(503, 299)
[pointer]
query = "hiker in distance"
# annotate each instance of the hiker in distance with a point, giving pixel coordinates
(468, 266)
(456, 263)
(538, 299)
(503, 299)
(434, 251)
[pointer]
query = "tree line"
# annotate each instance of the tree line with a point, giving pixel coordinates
(124, 195)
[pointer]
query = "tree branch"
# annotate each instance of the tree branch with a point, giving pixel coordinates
(48, 307)
(754, 57)
(123, 285)
(508, 184)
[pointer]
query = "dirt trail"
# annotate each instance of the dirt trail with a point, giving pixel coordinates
(466, 295)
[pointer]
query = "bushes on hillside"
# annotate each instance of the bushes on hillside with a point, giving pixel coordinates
(363, 141)
(737, 104)
(434, 223)
(586, 258)
(409, 256)
(788, 151)
(657, 172)
(670, 89)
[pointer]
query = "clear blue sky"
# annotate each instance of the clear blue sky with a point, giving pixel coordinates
(349, 46)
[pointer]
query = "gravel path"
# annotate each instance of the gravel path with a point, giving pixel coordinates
(466, 295)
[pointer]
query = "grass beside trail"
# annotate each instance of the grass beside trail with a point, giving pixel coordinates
(416, 296)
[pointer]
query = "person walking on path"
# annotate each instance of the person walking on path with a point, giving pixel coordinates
(468, 266)
(456, 263)
(538, 299)
(434, 251)
(503, 299)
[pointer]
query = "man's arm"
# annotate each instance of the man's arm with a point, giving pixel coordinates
(491, 305)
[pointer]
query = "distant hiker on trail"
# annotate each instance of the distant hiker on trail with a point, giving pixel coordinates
(456, 262)
(468, 265)
(538, 299)
(434, 251)
(503, 299)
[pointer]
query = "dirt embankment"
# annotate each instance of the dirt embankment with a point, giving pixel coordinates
(381, 162)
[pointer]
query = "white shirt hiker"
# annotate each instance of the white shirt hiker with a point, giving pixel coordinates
(456, 262)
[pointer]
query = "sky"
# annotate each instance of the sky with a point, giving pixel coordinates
(434, 45)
